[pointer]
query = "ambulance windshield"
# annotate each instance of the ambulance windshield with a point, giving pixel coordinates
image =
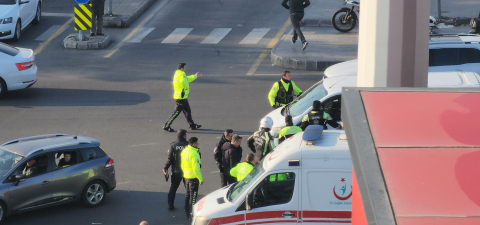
(238, 188)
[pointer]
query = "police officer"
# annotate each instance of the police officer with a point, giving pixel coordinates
(181, 89)
(261, 142)
(191, 167)
(289, 130)
(318, 117)
(281, 92)
(244, 168)
(217, 154)
(232, 155)
(174, 160)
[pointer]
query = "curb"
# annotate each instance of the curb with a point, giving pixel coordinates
(290, 63)
(118, 21)
(71, 42)
(315, 23)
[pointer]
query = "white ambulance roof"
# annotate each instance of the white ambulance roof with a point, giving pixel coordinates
(327, 147)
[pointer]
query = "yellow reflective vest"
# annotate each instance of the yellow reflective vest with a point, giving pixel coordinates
(191, 163)
(241, 170)
(181, 87)
(289, 130)
(273, 94)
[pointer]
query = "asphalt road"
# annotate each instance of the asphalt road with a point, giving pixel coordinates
(123, 100)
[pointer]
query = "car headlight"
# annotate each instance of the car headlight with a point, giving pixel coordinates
(202, 220)
(8, 20)
(275, 131)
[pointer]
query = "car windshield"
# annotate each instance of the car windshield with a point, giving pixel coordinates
(238, 188)
(8, 2)
(302, 103)
(7, 161)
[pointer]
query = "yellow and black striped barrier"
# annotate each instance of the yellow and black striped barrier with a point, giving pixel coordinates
(83, 17)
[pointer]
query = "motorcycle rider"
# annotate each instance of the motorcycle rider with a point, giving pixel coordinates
(261, 142)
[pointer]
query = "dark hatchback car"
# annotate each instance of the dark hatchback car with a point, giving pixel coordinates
(52, 169)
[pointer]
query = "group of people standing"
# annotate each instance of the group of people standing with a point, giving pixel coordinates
(184, 158)
(184, 155)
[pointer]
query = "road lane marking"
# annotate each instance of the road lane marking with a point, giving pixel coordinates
(55, 34)
(270, 45)
(134, 31)
(177, 35)
(49, 32)
(216, 36)
(147, 144)
(254, 36)
(57, 14)
(141, 34)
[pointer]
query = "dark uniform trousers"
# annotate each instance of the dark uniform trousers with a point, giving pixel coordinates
(98, 7)
(228, 179)
(176, 179)
(191, 186)
(296, 17)
(181, 105)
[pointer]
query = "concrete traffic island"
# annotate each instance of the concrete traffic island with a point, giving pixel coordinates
(87, 42)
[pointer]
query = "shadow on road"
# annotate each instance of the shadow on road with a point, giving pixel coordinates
(120, 207)
(71, 97)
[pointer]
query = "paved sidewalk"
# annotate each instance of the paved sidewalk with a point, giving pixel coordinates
(320, 12)
(326, 47)
(125, 12)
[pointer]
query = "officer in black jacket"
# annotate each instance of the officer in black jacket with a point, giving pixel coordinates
(173, 160)
(232, 155)
(217, 154)
(296, 9)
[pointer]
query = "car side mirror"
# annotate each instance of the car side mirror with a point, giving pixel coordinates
(24, 2)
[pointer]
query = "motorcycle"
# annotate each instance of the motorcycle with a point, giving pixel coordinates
(345, 19)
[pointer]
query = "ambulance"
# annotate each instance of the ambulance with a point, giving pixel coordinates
(306, 179)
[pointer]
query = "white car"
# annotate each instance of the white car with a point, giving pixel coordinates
(17, 68)
(447, 52)
(15, 15)
(329, 91)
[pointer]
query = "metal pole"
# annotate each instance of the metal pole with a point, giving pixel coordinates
(439, 9)
(110, 7)
(80, 36)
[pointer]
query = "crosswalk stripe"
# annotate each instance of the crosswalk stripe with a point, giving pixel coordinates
(254, 36)
(49, 32)
(141, 34)
(177, 35)
(216, 36)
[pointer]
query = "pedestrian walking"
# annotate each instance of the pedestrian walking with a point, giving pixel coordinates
(281, 92)
(181, 89)
(174, 160)
(296, 9)
(232, 155)
(289, 130)
(218, 156)
(191, 167)
(261, 142)
(243, 169)
(318, 117)
(97, 17)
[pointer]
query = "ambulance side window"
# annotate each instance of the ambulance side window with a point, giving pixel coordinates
(275, 189)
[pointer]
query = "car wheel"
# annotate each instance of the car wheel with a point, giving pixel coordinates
(3, 88)
(3, 212)
(94, 194)
(18, 31)
(38, 15)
